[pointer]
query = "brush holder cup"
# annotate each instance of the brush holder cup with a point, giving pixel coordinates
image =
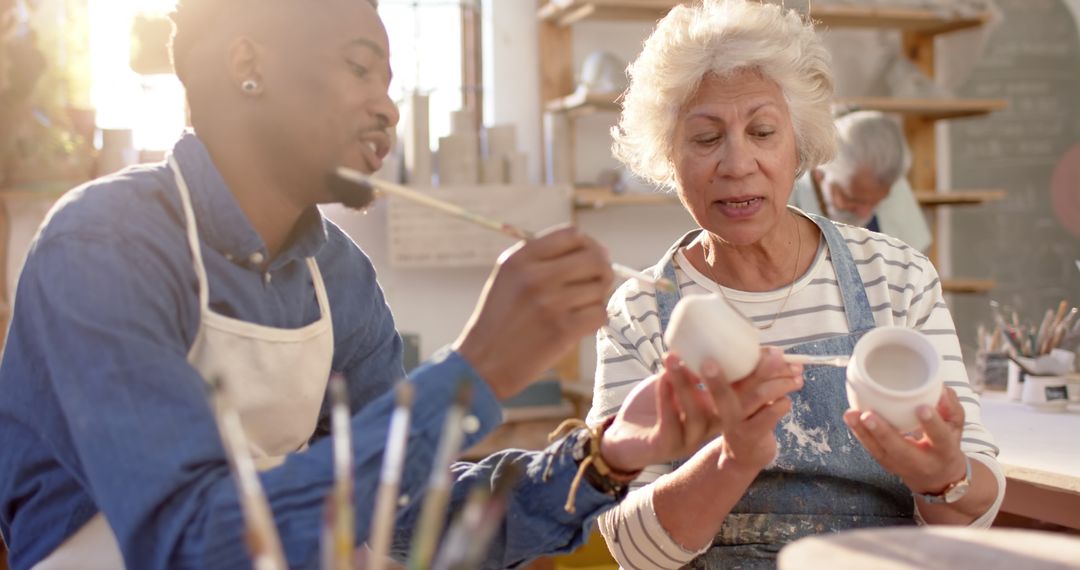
(892, 372)
(704, 326)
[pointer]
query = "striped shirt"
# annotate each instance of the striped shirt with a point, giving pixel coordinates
(903, 289)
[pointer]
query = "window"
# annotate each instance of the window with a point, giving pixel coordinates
(434, 46)
(434, 49)
(152, 105)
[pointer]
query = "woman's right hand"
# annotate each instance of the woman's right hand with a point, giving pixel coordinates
(751, 443)
(725, 468)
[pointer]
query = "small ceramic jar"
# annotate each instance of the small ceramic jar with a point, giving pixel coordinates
(704, 326)
(1072, 387)
(892, 372)
(1046, 393)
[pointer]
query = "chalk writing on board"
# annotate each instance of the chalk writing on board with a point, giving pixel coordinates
(1032, 60)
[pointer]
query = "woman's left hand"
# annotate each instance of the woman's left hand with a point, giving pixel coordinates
(927, 462)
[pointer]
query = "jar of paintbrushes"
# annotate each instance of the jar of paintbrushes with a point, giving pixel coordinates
(1041, 357)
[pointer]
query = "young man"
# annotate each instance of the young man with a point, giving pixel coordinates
(217, 265)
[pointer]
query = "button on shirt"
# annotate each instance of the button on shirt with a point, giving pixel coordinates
(101, 410)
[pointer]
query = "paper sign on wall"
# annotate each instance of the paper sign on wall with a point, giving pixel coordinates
(423, 237)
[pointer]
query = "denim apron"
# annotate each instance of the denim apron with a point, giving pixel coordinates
(830, 486)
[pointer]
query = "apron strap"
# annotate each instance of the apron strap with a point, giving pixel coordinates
(852, 290)
(192, 233)
(196, 250)
(666, 300)
(320, 288)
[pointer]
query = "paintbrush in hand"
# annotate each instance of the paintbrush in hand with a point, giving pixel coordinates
(469, 216)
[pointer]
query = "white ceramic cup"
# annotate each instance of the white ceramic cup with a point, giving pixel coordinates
(704, 326)
(1045, 393)
(892, 372)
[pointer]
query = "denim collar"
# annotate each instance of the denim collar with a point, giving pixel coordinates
(223, 225)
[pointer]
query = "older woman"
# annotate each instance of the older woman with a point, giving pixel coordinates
(728, 104)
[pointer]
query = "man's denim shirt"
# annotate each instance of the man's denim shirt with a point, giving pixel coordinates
(100, 410)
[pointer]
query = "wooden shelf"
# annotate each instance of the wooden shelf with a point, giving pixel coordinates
(915, 20)
(929, 198)
(930, 109)
(17, 193)
(595, 197)
(567, 12)
(967, 285)
(581, 103)
(921, 21)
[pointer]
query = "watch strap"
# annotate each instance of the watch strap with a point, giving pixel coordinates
(954, 491)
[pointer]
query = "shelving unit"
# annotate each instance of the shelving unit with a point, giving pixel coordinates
(915, 20)
(596, 197)
(577, 104)
(918, 29)
(930, 198)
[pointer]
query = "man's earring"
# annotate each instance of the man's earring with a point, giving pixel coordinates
(249, 86)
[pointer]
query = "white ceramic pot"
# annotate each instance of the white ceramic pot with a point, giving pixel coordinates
(892, 372)
(1072, 387)
(704, 326)
(1046, 393)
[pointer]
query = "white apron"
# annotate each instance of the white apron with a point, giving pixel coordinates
(275, 377)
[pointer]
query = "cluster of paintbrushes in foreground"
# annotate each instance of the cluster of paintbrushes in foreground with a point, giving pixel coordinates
(1060, 328)
(466, 540)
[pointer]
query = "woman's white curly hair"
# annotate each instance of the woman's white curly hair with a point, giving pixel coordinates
(722, 37)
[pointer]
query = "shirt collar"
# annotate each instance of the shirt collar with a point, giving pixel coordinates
(223, 225)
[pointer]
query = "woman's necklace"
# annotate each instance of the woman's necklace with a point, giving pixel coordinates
(791, 287)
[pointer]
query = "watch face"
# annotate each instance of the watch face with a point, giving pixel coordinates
(953, 492)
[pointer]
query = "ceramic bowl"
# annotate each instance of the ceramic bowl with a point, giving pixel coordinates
(892, 372)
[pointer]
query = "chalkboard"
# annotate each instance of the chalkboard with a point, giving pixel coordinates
(1027, 242)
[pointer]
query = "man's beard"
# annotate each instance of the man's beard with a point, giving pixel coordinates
(348, 193)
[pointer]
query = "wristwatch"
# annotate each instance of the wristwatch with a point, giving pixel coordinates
(954, 492)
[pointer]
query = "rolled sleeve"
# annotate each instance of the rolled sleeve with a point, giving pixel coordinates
(636, 538)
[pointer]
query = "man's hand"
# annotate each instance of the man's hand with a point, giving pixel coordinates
(673, 414)
(543, 297)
